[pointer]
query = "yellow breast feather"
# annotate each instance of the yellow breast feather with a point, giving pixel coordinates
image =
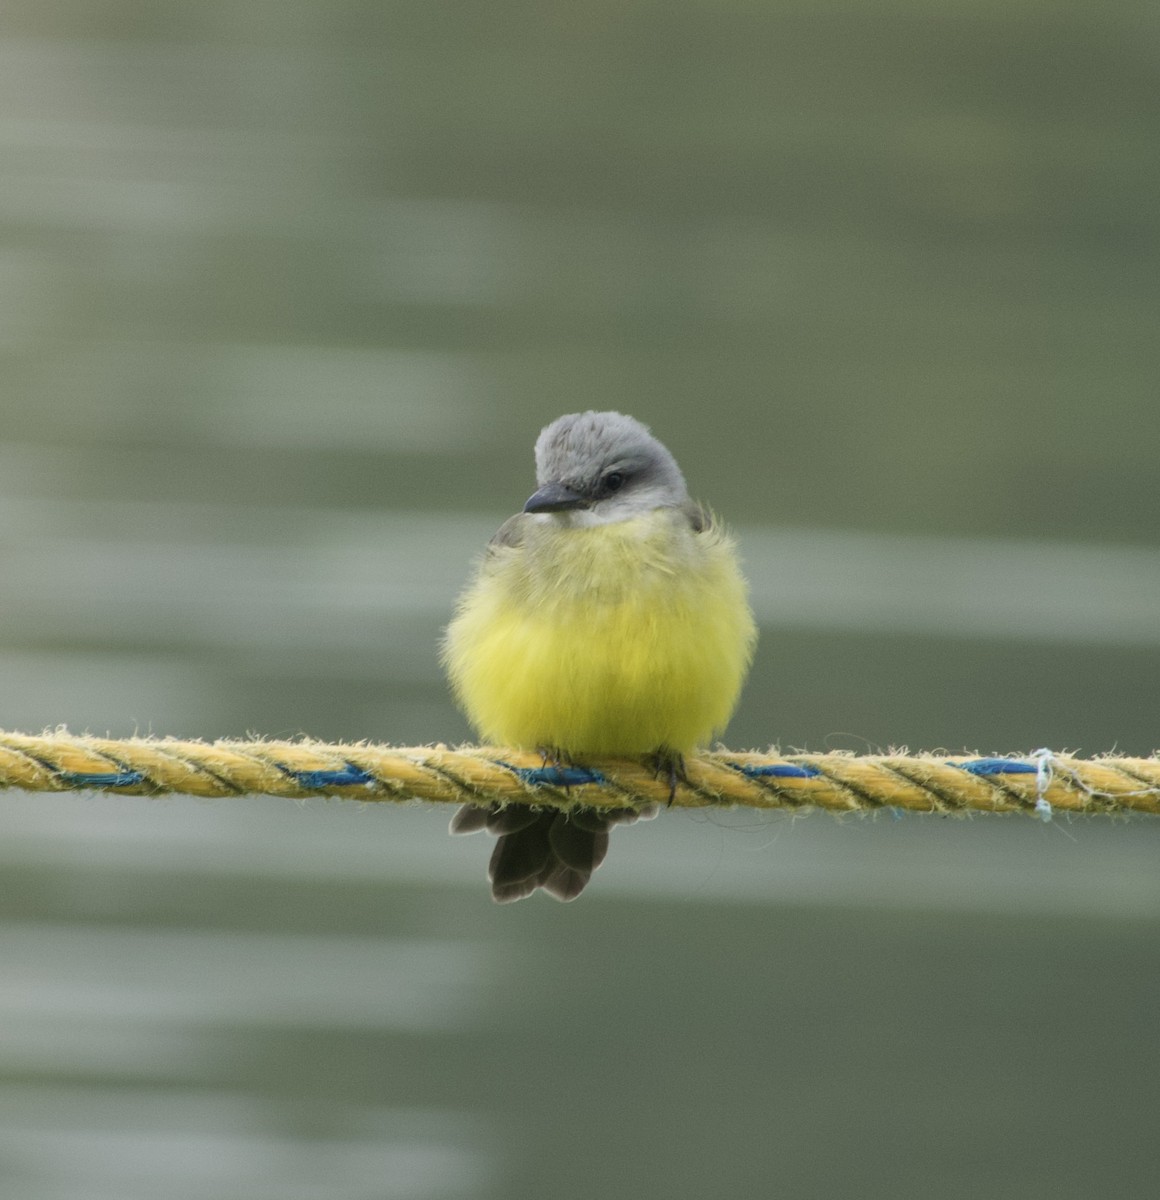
(619, 638)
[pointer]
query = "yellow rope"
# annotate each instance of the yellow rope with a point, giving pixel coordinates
(1040, 783)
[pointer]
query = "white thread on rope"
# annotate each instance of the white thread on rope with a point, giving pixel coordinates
(1044, 760)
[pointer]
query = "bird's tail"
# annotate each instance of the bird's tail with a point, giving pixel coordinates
(543, 847)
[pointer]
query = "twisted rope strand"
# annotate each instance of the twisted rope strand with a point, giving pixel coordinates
(1041, 783)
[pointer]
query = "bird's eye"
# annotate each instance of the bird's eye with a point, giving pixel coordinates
(613, 481)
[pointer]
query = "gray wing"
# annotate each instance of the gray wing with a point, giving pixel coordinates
(699, 517)
(510, 533)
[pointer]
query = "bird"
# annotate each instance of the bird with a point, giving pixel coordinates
(609, 617)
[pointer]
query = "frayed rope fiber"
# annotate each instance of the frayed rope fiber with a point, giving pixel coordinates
(1040, 783)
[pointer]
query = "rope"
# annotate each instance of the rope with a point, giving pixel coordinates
(1040, 784)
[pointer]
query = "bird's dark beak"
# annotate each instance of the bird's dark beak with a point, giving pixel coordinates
(554, 497)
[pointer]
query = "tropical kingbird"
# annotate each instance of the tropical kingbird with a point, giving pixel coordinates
(610, 617)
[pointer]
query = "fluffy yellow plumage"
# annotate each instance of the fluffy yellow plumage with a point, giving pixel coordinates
(609, 617)
(621, 638)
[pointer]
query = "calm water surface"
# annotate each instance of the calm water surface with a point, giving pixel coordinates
(286, 292)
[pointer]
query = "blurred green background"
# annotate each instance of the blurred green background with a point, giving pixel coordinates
(287, 290)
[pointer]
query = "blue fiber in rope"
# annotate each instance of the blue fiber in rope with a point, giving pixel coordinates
(777, 771)
(555, 776)
(102, 778)
(349, 776)
(996, 766)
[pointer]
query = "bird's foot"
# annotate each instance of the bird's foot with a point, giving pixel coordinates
(554, 756)
(668, 764)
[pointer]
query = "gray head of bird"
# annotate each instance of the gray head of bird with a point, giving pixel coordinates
(597, 467)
